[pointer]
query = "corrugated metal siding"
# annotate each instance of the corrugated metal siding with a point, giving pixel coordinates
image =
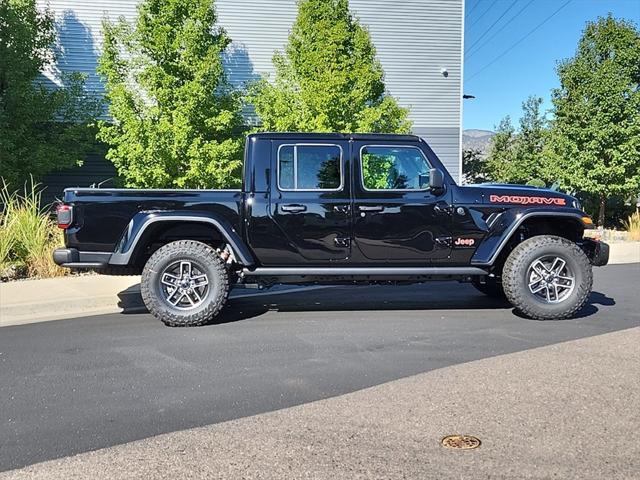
(79, 25)
(446, 143)
(415, 40)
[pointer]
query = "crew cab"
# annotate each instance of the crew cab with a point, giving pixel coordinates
(334, 208)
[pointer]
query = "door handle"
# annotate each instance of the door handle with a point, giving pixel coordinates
(373, 208)
(294, 208)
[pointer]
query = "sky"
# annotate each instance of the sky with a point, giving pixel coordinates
(500, 82)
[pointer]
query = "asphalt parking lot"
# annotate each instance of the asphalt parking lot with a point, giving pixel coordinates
(76, 385)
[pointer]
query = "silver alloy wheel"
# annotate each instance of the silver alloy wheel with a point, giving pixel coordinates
(550, 279)
(184, 284)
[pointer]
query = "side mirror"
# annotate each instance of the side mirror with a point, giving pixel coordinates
(436, 180)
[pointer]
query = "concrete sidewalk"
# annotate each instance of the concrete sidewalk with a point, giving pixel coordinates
(570, 410)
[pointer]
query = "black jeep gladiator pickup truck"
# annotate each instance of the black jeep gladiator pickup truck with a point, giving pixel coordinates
(334, 208)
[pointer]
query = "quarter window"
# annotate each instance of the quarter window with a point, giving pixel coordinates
(394, 168)
(309, 167)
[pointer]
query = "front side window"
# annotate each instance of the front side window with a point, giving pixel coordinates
(394, 168)
(309, 167)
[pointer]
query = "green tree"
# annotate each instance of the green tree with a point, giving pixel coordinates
(40, 129)
(518, 157)
(501, 160)
(474, 166)
(328, 78)
(596, 129)
(529, 147)
(176, 120)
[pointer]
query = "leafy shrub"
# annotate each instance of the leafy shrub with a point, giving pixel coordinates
(28, 235)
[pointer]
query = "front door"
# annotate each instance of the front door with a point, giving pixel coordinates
(310, 201)
(396, 216)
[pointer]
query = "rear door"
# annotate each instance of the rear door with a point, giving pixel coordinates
(310, 200)
(397, 217)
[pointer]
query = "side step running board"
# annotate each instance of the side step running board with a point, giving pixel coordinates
(269, 271)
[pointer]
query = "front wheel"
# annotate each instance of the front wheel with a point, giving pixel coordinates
(547, 277)
(185, 284)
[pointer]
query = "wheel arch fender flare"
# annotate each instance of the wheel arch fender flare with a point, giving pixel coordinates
(143, 220)
(506, 226)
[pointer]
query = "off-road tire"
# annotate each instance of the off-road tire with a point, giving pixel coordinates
(215, 269)
(515, 284)
(490, 286)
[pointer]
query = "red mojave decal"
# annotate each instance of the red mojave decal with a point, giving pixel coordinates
(524, 200)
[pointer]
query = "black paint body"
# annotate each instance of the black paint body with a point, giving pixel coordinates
(454, 226)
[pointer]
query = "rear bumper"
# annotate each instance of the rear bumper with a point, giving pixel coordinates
(73, 258)
(598, 252)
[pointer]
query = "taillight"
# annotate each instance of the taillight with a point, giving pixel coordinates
(65, 215)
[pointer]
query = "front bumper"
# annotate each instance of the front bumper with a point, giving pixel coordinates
(597, 251)
(73, 258)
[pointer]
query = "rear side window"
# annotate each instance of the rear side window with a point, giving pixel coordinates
(394, 168)
(310, 167)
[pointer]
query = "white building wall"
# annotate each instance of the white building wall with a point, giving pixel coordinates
(416, 41)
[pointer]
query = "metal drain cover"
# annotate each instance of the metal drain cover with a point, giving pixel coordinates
(460, 442)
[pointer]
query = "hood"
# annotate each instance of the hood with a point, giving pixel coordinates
(509, 194)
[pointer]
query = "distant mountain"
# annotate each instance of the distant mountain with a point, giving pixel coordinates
(477, 140)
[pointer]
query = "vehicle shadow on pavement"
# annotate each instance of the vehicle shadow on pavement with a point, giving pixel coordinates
(432, 296)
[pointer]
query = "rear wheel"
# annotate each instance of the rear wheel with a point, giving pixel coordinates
(547, 277)
(185, 284)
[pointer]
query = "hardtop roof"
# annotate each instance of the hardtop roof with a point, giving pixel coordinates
(336, 136)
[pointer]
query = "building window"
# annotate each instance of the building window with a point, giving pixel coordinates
(310, 167)
(393, 168)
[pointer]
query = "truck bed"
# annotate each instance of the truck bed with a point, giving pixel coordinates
(102, 215)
